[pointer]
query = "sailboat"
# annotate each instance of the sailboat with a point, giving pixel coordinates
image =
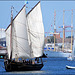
(25, 40)
(50, 50)
(72, 58)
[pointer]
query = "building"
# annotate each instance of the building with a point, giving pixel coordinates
(57, 36)
(58, 39)
(2, 43)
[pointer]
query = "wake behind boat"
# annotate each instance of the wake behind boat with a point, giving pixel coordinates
(25, 40)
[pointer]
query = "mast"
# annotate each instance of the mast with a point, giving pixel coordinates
(11, 32)
(54, 28)
(71, 28)
(63, 31)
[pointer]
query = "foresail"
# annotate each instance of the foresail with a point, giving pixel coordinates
(20, 38)
(20, 45)
(8, 41)
(35, 31)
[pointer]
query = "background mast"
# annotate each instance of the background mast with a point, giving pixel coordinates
(54, 28)
(71, 29)
(63, 31)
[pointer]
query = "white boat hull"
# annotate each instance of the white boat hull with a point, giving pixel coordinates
(69, 59)
(70, 67)
(56, 54)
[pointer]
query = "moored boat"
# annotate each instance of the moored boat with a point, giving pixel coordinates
(70, 67)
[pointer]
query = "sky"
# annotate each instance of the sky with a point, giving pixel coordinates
(47, 8)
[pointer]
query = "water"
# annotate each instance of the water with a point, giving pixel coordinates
(51, 66)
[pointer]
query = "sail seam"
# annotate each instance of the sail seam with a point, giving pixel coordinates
(19, 44)
(35, 32)
(21, 23)
(17, 36)
(19, 51)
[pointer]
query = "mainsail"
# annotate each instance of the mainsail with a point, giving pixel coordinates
(35, 30)
(20, 44)
(27, 34)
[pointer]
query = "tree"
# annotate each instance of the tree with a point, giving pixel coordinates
(48, 41)
(51, 40)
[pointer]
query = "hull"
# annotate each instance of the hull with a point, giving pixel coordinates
(70, 67)
(56, 54)
(20, 66)
(69, 58)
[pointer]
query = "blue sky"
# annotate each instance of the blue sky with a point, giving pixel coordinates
(47, 7)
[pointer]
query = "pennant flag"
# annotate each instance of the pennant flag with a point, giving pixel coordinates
(61, 27)
(26, 2)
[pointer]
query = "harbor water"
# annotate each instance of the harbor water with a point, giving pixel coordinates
(51, 66)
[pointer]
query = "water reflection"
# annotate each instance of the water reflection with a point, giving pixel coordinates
(27, 72)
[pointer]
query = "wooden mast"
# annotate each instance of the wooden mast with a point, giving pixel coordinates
(54, 28)
(11, 32)
(71, 28)
(63, 32)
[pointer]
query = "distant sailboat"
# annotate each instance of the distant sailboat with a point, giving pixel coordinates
(73, 52)
(70, 67)
(72, 57)
(25, 40)
(49, 52)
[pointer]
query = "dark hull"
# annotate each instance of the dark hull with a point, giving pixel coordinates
(43, 56)
(19, 66)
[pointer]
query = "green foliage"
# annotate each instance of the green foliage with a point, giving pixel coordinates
(51, 40)
(48, 41)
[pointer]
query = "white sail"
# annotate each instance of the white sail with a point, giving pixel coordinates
(2, 33)
(73, 51)
(8, 41)
(20, 45)
(36, 31)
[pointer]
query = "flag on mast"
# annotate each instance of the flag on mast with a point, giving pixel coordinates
(26, 2)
